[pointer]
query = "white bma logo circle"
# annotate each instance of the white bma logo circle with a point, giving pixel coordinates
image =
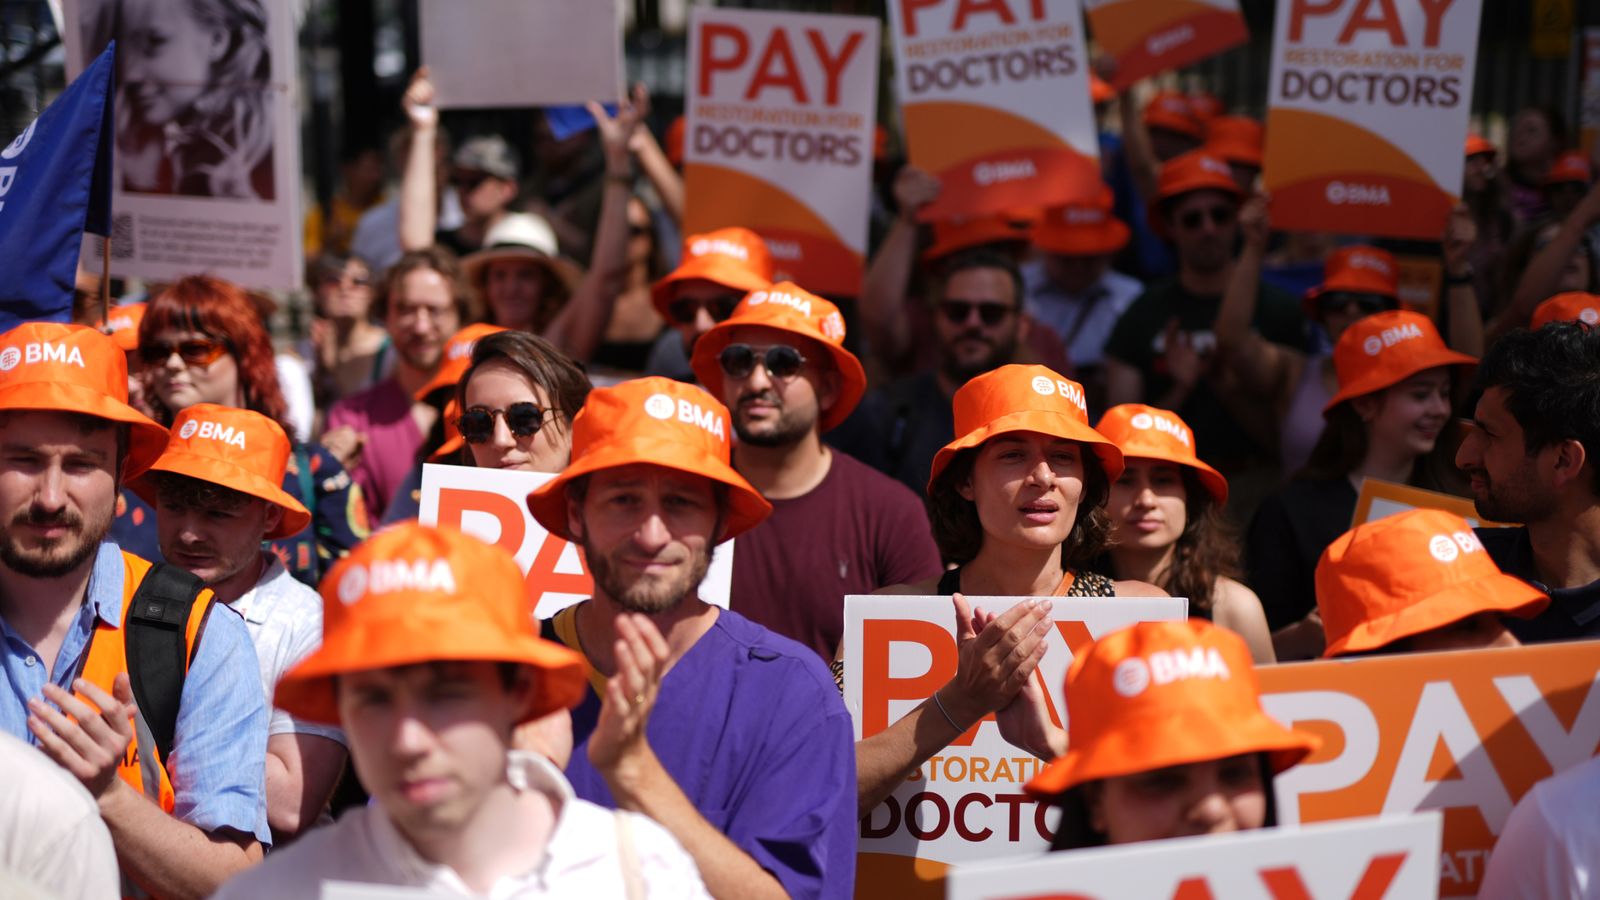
(188, 429)
(1043, 386)
(1336, 192)
(1130, 677)
(353, 584)
(1373, 345)
(1589, 315)
(1143, 421)
(9, 357)
(1443, 548)
(659, 406)
(700, 247)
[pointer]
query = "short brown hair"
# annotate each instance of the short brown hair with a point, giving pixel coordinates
(959, 533)
(435, 258)
(545, 366)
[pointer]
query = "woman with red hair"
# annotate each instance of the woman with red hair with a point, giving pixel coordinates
(202, 341)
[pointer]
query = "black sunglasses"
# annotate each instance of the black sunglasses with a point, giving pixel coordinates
(686, 309)
(1367, 304)
(467, 182)
(780, 360)
(477, 422)
(958, 312)
(1219, 215)
(194, 351)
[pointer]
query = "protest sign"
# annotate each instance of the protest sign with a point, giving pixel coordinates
(497, 53)
(780, 117)
(966, 804)
(1379, 498)
(1467, 733)
(1146, 38)
(995, 97)
(207, 174)
(1369, 859)
(491, 504)
(1368, 113)
(1420, 279)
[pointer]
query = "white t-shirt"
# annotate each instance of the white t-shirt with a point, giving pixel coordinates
(582, 858)
(284, 618)
(51, 836)
(1550, 848)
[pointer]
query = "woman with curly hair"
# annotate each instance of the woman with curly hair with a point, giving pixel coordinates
(1167, 524)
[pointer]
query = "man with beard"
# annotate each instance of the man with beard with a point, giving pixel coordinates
(838, 527)
(1533, 455)
(978, 326)
(745, 752)
(217, 496)
(1159, 353)
(185, 806)
(376, 433)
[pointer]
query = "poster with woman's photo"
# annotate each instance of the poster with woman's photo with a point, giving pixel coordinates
(207, 146)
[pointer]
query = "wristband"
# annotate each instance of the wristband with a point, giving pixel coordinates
(946, 713)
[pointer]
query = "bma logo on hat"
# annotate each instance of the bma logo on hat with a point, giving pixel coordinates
(1215, 166)
(833, 326)
(1167, 666)
(1368, 261)
(798, 304)
(1446, 547)
(1130, 677)
(463, 349)
(1045, 386)
(1146, 422)
(386, 576)
(41, 352)
(9, 357)
(659, 406)
(719, 246)
(1083, 215)
(353, 585)
(1589, 315)
(213, 431)
(188, 429)
(1389, 337)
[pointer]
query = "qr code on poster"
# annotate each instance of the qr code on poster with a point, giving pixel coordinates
(122, 236)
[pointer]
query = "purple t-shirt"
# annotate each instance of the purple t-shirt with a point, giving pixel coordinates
(382, 413)
(856, 531)
(751, 727)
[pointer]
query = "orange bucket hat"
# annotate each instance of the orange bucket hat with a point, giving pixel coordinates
(1409, 573)
(1358, 269)
(453, 440)
(1174, 112)
(1100, 90)
(1477, 145)
(1569, 306)
(1237, 139)
(123, 325)
(238, 449)
(787, 307)
(1197, 170)
(1145, 432)
(964, 233)
(419, 593)
(674, 140)
(1569, 168)
(52, 367)
(1384, 349)
(1161, 694)
(1023, 398)
(1082, 228)
(456, 359)
(735, 258)
(651, 421)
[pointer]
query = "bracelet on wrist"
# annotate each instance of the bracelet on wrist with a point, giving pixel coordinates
(946, 713)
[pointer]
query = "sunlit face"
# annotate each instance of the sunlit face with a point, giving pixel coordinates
(498, 384)
(1211, 797)
(647, 534)
(1204, 226)
(421, 317)
(1027, 487)
(215, 541)
(179, 384)
(516, 291)
(166, 56)
(1409, 416)
(346, 294)
(1149, 505)
(1509, 484)
(776, 412)
(58, 491)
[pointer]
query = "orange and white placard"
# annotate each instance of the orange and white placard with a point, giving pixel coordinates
(966, 804)
(995, 98)
(1467, 733)
(1379, 498)
(779, 136)
(1367, 114)
(491, 504)
(1147, 37)
(1368, 859)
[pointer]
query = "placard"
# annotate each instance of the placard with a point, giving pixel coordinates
(1369, 859)
(1379, 498)
(966, 804)
(207, 158)
(780, 117)
(995, 99)
(1147, 37)
(1367, 114)
(498, 53)
(491, 504)
(1467, 733)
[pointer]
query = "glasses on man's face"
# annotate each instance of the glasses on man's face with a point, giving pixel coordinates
(467, 182)
(781, 361)
(193, 351)
(685, 310)
(959, 312)
(406, 311)
(476, 424)
(1194, 218)
(1365, 304)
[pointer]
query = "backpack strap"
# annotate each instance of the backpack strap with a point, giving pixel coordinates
(158, 647)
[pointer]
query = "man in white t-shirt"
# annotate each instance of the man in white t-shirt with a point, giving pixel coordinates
(1550, 848)
(52, 840)
(217, 494)
(429, 661)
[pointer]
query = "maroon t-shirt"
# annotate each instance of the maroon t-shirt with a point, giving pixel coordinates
(857, 531)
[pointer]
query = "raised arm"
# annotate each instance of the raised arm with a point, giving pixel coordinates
(1261, 365)
(1465, 334)
(1543, 273)
(656, 167)
(419, 189)
(1142, 162)
(888, 277)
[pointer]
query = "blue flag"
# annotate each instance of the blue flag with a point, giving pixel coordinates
(55, 184)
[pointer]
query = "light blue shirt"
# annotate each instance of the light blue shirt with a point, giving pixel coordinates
(218, 761)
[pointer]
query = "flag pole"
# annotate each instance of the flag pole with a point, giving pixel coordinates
(105, 281)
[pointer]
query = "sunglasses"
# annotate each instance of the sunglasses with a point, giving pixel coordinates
(467, 182)
(337, 279)
(780, 360)
(1194, 218)
(959, 312)
(685, 310)
(477, 423)
(194, 351)
(1367, 304)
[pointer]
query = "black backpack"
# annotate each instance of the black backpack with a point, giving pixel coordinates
(158, 656)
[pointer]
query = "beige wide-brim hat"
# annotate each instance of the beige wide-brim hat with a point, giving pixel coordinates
(522, 236)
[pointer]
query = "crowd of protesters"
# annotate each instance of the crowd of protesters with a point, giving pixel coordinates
(1147, 391)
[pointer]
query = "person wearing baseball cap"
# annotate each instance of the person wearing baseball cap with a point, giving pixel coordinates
(1567, 306)
(838, 526)
(1131, 712)
(742, 715)
(68, 439)
(1414, 582)
(429, 662)
(1390, 419)
(218, 495)
(1167, 527)
(717, 269)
